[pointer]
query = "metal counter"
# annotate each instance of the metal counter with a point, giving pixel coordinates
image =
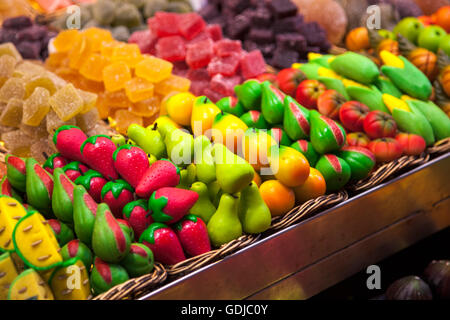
(307, 258)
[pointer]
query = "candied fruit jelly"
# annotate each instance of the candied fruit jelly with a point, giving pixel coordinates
(36, 107)
(116, 75)
(67, 102)
(138, 89)
(153, 69)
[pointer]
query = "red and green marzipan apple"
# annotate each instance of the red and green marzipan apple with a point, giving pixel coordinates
(386, 149)
(308, 92)
(329, 104)
(379, 124)
(357, 139)
(288, 80)
(412, 144)
(352, 115)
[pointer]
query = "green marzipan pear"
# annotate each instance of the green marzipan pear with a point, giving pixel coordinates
(253, 212)
(149, 139)
(203, 208)
(225, 225)
(233, 173)
(187, 176)
(180, 147)
(203, 159)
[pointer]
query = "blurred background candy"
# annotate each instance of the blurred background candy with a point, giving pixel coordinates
(31, 39)
(274, 27)
(122, 17)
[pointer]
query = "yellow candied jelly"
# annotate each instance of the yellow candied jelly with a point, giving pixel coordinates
(90, 85)
(64, 41)
(138, 89)
(117, 99)
(12, 88)
(81, 49)
(102, 106)
(97, 36)
(173, 83)
(146, 108)
(10, 49)
(67, 102)
(153, 69)
(42, 80)
(12, 114)
(124, 119)
(36, 107)
(128, 53)
(116, 75)
(92, 68)
(89, 98)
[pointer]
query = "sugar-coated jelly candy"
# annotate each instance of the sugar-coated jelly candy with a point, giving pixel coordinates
(153, 69)
(42, 80)
(67, 102)
(138, 89)
(97, 36)
(53, 122)
(116, 75)
(87, 120)
(172, 48)
(252, 64)
(64, 41)
(129, 53)
(36, 107)
(124, 119)
(199, 54)
(12, 113)
(89, 98)
(146, 108)
(81, 49)
(9, 49)
(12, 88)
(17, 142)
(93, 66)
(191, 24)
(173, 83)
(7, 65)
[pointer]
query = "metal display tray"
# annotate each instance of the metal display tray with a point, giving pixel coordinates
(315, 254)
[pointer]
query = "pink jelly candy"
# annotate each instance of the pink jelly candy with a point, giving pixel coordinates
(226, 66)
(214, 31)
(227, 47)
(171, 48)
(190, 25)
(145, 39)
(252, 64)
(165, 24)
(199, 54)
(224, 85)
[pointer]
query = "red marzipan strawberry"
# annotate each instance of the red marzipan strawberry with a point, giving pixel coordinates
(169, 205)
(138, 215)
(74, 169)
(116, 194)
(68, 141)
(98, 155)
(130, 162)
(160, 174)
(164, 243)
(56, 160)
(193, 235)
(93, 182)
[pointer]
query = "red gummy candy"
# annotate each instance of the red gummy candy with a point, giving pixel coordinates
(200, 37)
(225, 85)
(198, 87)
(214, 96)
(199, 54)
(198, 74)
(252, 64)
(214, 31)
(191, 24)
(227, 47)
(145, 39)
(165, 24)
(171, 48)
(226, 66)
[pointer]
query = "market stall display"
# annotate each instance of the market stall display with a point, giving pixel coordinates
(139, 150)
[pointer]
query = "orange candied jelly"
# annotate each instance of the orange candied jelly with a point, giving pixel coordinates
(64, 41)
(116, 75)
(153, 69)
(97, 36)
(106, 48)
(138, 89)
(93, 67)
(117, 99)
(146, 108)
(90, 85)
(56, 59)
(81, 49)
(128, 53)
(124, 118)
(173, 83)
